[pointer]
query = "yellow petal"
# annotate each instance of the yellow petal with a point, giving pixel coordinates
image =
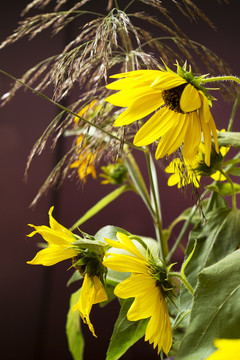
(85, 302)
(132, 82)
(192, 137)
(205, 112)
(143, 306)
(190, 99)
(207, 140)
(166, 81)
(126, 263)
(137, 73)
(135, 285)
(52, 236)
(99, 291)
(52, 255)
(173, 139)
(126, 98)
(140, 108)
(125, 243)
(155, 127)
(56, 226)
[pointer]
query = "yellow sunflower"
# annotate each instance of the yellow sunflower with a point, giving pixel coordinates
(228, 349)
(144, 285)
(184, 173)
(60, 243)
(177, 103)
(61, 247)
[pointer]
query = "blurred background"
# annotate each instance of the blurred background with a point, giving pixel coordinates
(34, 300)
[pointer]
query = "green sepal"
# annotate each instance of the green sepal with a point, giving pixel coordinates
(96, 246)
(73, 329)
(216, 309)
(126, 333)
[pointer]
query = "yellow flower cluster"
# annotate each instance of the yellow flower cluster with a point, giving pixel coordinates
(143, 283)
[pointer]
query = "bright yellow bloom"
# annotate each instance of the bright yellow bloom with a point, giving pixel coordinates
(85, 162)
(60, 247)
(59, 241)
(92, 292)
(149, 300)
(228, 349)
(178, 106)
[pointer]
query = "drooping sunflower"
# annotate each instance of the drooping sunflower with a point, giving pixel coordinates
(61, 246)
(227, 349)
(177, 103)
(145, 285)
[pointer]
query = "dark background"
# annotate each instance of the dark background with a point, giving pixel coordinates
(34, 300)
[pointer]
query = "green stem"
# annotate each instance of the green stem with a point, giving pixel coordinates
(221, 78)
(71, 112)
(183, 279)
(182, 233)
(234, 109)
(222, 171)
(157, 218)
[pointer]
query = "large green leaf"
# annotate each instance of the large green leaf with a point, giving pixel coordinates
(73, 329)
(125, 333)
(217, 236)
(216, 308)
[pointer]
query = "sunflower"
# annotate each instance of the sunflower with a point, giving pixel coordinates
(177, 103)
(62, 246)
(60, 243)
(145, 285)
(227, 349)
(184, 173)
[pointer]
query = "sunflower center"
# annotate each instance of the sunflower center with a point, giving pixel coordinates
(172, 97)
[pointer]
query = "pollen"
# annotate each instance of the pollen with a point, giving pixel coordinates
(172, 97)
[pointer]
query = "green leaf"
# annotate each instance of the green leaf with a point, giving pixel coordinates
(125, 333)
(234, 171)
(75, 277)
(73, 329)
(100, 205)
(225, 189)
(216, 308)
(216, 238)
(110, 232)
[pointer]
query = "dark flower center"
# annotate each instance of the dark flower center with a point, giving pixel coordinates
(172, 97)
